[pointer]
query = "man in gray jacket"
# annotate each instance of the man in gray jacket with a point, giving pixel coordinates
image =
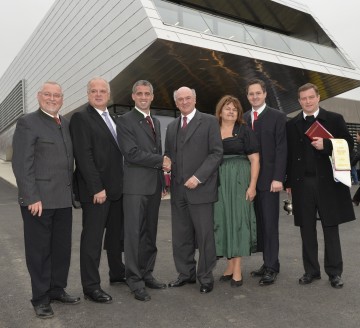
(43, 165)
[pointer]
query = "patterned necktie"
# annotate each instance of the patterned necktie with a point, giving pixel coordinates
(184, 122)
(148, 118)
(109, 125)
(255, 118)
(57, 120)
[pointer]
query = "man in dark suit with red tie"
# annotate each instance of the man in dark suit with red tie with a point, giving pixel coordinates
(193, 143)
(269, 126)
(314, 191)
(43, 166)
(98, 183)
(140, 142)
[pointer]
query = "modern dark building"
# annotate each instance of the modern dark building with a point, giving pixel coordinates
(213, 46)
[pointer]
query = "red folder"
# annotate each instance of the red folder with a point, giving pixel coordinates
(317, 130)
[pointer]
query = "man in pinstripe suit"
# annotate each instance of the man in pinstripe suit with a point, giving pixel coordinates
(43, 167)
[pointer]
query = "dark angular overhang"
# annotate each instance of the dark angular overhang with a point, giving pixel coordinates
(170, 65)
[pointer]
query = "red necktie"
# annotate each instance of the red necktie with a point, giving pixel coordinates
(255, 118)
(57, 120)
(148, 118)
(184, 122)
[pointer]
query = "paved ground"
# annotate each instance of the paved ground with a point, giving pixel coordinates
(285, 304)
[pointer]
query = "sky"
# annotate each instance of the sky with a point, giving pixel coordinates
(19, 18)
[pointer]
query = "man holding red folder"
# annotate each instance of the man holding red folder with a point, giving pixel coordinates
(314, 191)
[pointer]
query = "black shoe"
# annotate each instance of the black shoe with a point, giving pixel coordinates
(65, 298)
(154, 284)
(308, 278)
(336, 281)
(118, 281)
(268, 277)
(179, 283)
(206, 288)
(43, 311)
(225, 277)
(236, 283)
(259, 272)
(142, 295)
(98, 296)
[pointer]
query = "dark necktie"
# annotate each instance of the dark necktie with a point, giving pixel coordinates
(310, 118)
(184, 125)
(148, 118)
(255, 118)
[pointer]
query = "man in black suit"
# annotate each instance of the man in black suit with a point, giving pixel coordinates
(140, 142)
(43, 165)
(193, 143)
(270, 128)
(314, 191)
(98, 181)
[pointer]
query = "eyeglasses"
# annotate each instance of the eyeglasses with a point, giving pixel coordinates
(52, 95)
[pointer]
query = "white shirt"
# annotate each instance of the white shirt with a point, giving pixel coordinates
(189, 117)
(315, 114)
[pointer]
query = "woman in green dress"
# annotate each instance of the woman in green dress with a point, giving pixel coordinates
(234, 220)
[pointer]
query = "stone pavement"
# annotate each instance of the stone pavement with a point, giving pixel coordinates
(284, 304)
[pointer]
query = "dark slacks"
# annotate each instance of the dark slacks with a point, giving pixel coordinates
(333, 263)
(141, 213)
(96, 218)
(47, 251)
(192, 226)
(267, 220)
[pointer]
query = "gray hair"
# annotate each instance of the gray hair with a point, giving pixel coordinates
(144, 83)
(192, 90)
(52, 83)
(98, 78)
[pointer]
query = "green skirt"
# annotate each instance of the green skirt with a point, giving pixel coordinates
(234, 219)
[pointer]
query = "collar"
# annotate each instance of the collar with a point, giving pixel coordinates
(315, 114)
(189, 116)
(259, 111)
(142, 113)
(57, 115)
(101, 111)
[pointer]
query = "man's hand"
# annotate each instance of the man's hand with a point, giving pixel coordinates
(100, 197)
(192, 183)
(166, 164)
(288, 191)
(318, 143)
(36, 208)
(276, 186)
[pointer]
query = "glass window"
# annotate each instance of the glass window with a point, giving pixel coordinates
(267, 39)
(176, 15)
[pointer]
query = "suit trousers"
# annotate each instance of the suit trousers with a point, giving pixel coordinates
(96, 218)
(192, 227)
(333, 263)
(47, 251)
(267, 218)
(141, 213)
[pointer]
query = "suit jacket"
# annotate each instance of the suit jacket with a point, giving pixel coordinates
(335, 204)
(202, 155)
(43, 161)
(98, 159)
(270, 130)
(142, 153)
